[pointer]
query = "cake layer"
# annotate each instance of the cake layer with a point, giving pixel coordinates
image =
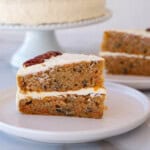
(132, 42)
(54, 59)
(70, 105)
(127, 65)
(36, 12)
(62, 73)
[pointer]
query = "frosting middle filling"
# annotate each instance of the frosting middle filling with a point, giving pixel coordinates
(39, 95)
(115, 54)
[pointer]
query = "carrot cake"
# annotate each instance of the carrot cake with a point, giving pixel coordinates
(62, 84)
(38, 12)
(127, 51)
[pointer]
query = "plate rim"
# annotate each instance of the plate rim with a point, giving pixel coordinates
(109, 77)
(134, 81)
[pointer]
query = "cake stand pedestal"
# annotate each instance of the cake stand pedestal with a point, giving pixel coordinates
(36, 42)
(40, 39)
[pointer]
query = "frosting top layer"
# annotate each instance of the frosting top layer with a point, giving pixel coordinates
(41, 58)
(60, 60)
(143, 33)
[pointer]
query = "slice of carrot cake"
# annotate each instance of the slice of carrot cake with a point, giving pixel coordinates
(127, 51)
(62, 84)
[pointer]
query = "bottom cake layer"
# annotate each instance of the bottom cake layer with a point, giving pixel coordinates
(71, 105)
(127, 65)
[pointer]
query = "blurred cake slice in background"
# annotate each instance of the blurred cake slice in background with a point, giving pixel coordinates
(62, 84)
(126, 52)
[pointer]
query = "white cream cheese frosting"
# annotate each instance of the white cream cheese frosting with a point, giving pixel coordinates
(139, 32)
(60, 60)
(116, 54)
(84, 91)
(36, 12)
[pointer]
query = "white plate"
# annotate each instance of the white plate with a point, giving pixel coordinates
(138, 82)
(127, 109)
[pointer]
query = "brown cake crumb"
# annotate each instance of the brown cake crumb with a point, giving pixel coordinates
(128, 66)
(148, 29)
(40, 59)
(63, 78)
(71, 105)
(122, 42)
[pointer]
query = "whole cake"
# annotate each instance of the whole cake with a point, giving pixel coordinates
(37, 12)
(127, 51)
(62, 84)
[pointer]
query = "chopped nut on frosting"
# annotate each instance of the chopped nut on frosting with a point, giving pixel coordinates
(40, 59)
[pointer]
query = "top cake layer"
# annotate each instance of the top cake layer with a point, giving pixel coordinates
(54, 71)
(36, 12)
(135, 42)
(60, 60)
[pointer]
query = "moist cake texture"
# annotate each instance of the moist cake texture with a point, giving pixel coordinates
(63, 78)
(127, 52)
(62, 84)
(70, 105)
(126, 41)
(79, 74)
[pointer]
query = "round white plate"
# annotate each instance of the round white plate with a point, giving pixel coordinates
(138, 82)
(127, 109)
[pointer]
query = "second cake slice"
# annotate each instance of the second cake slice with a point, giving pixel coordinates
(127, 52)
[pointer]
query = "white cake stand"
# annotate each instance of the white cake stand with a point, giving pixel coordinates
(41, 38)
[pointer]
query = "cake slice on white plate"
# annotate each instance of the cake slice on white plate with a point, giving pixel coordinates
(62, 84)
